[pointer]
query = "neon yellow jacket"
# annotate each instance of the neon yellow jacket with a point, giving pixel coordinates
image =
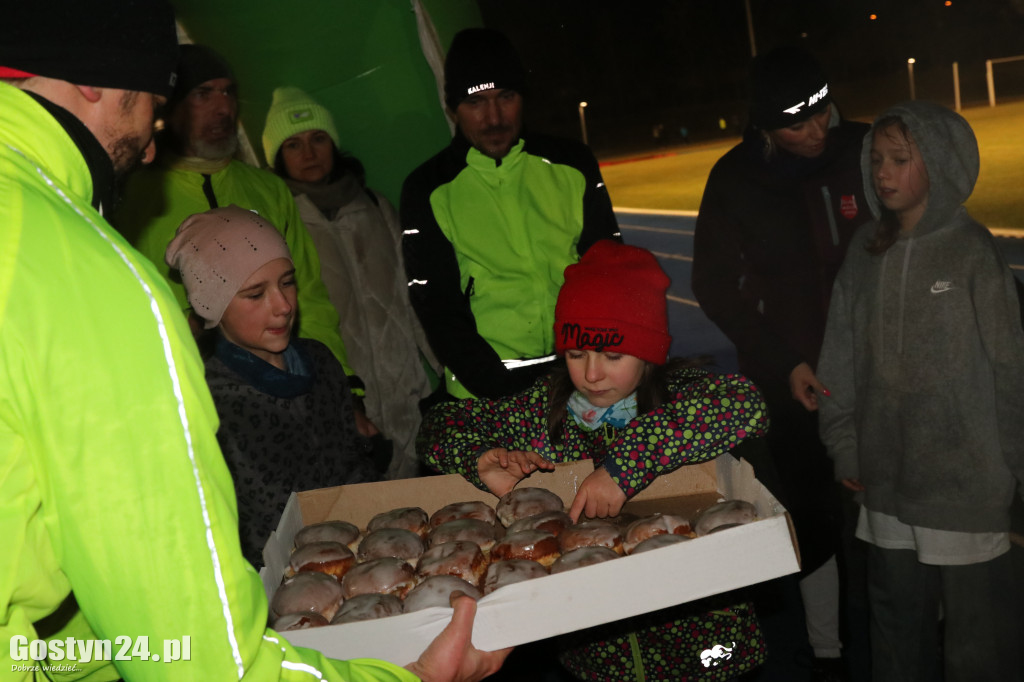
(157, 199)
(111, 482)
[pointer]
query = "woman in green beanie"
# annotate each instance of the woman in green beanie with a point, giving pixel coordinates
(358, 238)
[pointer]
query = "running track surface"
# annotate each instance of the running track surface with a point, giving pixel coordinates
(669, 235)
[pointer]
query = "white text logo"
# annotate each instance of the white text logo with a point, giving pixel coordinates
(86, 650)
(816, 97)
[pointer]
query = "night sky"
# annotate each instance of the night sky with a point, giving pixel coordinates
(680, 63)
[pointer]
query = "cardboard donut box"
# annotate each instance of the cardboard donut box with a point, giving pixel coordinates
(561, 603)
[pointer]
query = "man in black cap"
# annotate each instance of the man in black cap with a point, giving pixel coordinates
(197, 171)
(491, 222)
(117, 514)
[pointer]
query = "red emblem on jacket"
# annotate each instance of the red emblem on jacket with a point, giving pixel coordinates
(848, 206)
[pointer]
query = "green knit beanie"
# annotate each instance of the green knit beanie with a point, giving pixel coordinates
(291, 112)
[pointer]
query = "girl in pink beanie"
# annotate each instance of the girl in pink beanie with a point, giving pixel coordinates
(619, 401)
(286, 417)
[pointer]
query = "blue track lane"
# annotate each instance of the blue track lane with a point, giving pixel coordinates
(670, 237)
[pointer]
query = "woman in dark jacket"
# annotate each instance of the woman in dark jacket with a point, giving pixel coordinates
(777, 215)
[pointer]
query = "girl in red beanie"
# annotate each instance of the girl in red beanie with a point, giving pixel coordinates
(618, 401)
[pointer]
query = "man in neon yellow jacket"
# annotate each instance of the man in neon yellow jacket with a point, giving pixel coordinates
(116, 508)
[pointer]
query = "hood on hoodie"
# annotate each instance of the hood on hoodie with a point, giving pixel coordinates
(950, 153)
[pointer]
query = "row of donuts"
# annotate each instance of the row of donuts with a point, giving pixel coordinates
(407, 561)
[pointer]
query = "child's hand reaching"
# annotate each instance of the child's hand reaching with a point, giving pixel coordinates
(501, 469)
(599, 496)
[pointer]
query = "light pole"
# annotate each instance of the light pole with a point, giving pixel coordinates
(910, 76)
(750, 28)
(583, 121)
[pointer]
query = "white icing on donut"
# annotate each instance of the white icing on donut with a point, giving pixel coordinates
(582, 556)
(368, 607)
(463, 510)
(307, 592)
(461, 558)
(724, 515)
(473, 530)
(502, 573)
(383, 576)
(519, 503)
(408, 518)
(341, 532)
(394, 542)
(436, 591)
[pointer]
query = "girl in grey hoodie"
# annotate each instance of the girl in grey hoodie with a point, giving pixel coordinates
(923, 371)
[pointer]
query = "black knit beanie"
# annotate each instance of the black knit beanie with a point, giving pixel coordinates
(123, 44)
(196, 65)
(787, 86)
(480, 59)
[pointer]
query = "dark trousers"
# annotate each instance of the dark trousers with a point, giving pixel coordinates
(978, 640)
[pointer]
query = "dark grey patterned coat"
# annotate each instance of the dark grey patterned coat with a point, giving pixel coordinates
(282, 432)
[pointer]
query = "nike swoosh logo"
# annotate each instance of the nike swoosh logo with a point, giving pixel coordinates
(940, 288)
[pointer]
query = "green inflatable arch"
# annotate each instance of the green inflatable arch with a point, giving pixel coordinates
(362, 59)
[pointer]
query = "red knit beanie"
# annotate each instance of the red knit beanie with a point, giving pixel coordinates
(613, 300)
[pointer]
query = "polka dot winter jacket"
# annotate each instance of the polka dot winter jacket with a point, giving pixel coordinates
(707, 415)
(712, 640)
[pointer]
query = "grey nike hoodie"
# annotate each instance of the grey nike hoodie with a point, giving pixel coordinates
(924, 352)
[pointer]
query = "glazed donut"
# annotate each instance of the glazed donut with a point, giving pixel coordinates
(724, 515)
(463, 510)
(482, 533)
(407, 518)
(341, 532)
(658, 541)
(553, 522)
(395, 542)
(387, 575)
(649, 526)
(519, 503)
(368, 607)
(502, 573)
(582, 556)
(307, 593)
(461, 558)
(437, 591)
(299, 621)
(536, 545)
(332, 558)
(595, 532)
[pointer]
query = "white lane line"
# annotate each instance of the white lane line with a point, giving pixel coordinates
(655, 211)
(645, 228)
(684, 301)
(672, 256)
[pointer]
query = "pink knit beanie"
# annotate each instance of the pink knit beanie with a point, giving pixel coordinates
(217, 251)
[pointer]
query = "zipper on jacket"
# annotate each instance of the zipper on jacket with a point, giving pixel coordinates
(638, 659)
(826, 195)
(208, 190)
(903, 296)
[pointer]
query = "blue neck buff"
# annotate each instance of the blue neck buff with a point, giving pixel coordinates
(592, 418)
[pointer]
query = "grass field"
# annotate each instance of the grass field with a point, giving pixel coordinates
(675, 180)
